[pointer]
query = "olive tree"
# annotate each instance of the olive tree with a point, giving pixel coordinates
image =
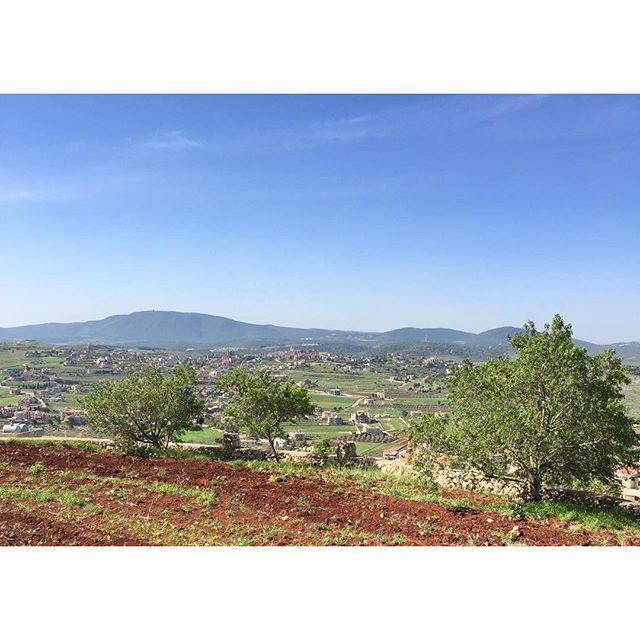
(147, 407)
(552, 413)
(260, 405)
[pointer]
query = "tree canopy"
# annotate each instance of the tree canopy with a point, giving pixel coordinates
(147, 407)
(260, 404)
(550, 414)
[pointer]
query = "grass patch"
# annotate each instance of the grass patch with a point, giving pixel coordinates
(63, 444)
(68, 498)
(206, 436)
(37, 468)
(587, 516)
(122, 487)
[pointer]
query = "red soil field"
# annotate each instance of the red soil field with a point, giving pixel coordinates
(74, 496)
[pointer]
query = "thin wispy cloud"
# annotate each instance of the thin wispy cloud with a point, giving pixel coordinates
(423, 118)
(494, 115)
(505, 105)
(443, 114)
(170, 141)
(309, 135)
(590, 117)
(124, 168)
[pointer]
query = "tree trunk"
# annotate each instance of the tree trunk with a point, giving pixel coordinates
(533, 488)
(155, 440)
(276, 455)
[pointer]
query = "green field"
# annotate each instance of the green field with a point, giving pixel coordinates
(632, 397)
(319, 431)
(420, 400)
(365, 448)
(16, 356)
(351, 382)
(332, 402)
(6, 399)
(70, 400)
(207, 436)
(12, 357)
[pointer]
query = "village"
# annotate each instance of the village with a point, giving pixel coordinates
(363, 404)
(365, 399)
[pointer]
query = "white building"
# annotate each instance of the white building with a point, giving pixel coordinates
(15, 427)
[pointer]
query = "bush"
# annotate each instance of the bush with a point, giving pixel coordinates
(322, 447)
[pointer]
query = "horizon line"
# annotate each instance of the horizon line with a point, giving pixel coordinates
(286, 326)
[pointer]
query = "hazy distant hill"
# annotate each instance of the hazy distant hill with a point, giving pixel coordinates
(441, 336)
(180, 330)
(169, 328)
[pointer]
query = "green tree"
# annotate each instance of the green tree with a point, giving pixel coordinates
(551, 414)
(260, 404)
(147, 407)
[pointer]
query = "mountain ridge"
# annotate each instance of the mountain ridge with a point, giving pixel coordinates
(183, 330)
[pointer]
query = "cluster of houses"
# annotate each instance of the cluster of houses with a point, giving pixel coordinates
(27, 410)
(30, 413)
(73, 417)
(22, 418)
(331, 418)
(361, 417)
(366, 424)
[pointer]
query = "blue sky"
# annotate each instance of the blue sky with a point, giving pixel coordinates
(350, 212)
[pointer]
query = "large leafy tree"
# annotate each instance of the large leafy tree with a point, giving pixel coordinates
(260, 405)
(550, 414)
(147, 407)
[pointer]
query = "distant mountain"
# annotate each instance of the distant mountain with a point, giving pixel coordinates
(169, 329)
(173, 329)
(499, 336)
(439, 336)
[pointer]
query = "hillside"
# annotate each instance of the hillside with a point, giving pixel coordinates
(55, 495)
(168, 329)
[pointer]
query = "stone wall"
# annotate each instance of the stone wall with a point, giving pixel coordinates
(452, 477)
(455, 478)
(399, 467)
(304, 457)
(344, 456)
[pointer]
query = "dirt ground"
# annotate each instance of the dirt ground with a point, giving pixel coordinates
(53, 495)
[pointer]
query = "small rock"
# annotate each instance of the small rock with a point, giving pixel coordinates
(515, 533)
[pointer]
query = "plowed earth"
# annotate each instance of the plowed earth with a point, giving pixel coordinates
(52, 495)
